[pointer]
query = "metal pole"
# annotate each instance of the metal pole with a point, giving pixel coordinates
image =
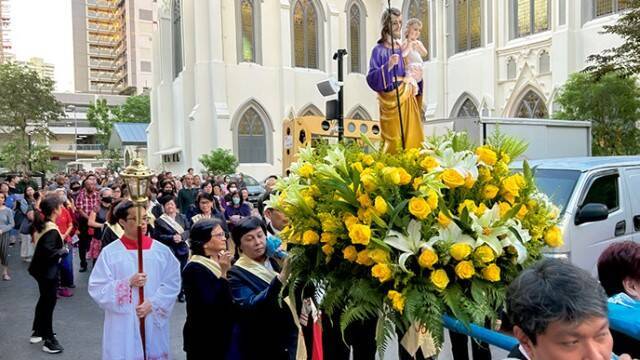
(339, 55)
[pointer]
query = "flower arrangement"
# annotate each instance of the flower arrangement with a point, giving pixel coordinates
(408, 237)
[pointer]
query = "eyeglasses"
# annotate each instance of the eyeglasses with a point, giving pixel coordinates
(220, 235)
(144, 218)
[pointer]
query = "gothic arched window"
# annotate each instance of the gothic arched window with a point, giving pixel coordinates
(532, 106)
(356, 35)
(252, 138)
(419, 9)
(468, 109)
(176, 21)
(305, 35)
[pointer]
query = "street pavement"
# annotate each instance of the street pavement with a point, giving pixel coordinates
(78, 320)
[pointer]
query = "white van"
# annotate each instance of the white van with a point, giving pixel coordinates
(86, 165)
(599, 198)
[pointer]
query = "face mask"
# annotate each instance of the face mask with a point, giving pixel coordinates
(236, 201)
(107, 199)
(233, 189)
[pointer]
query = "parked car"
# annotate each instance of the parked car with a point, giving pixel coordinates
(255, 188)
(599, 202)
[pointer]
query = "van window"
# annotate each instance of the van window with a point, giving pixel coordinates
(604, 190)
(557, 184)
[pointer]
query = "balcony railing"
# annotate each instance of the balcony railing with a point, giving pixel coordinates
(102, 4)
(101, 15)
(108, 29)
(72, 147)
(103, 64)
(102, 52)
(102, 40)
(71, 123)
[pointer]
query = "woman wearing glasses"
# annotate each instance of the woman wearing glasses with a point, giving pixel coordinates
(208, 294)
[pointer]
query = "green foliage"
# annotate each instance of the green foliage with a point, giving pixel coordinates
(219, 162)
(623, 59)
(115, 155)
(611, 103)
(102, 116)
(26, 106)
(17, 156)
(507, 145)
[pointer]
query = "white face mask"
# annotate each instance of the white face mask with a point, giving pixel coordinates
(233, 189)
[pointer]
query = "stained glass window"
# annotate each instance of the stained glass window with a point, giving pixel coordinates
(248, 31)
(176, 18)
(468, 109)
(530, 16)
(532, 106)
(305, 34)
(355, 38)
(468, 24)
(252, 144)
(607, 7)
(419, 9)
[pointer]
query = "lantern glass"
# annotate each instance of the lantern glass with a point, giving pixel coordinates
(134, 190)
(144, 183)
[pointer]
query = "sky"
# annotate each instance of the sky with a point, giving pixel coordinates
(42, 28)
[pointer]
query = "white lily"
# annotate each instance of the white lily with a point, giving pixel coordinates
(451, 234)
(487, 229)
(409, 244)
(305, 154)
(512, 240)
(464, 162)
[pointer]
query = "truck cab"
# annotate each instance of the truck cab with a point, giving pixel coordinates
(599, 202)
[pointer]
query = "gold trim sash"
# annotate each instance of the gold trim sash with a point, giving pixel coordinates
(211, 265)
(117, 229)
(172, 223)
(49, 225)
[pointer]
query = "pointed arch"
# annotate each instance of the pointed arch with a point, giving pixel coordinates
(310, 110)
(307, 34)
(466, 106)
(530, 104)
(249, 31)
(358, 112)
(252, 133)
(421, 10)
(356, 35)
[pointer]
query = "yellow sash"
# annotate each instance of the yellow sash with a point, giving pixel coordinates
(117, 229)
(49, 225)
(211, 265)
(197, 217)
(172, 223)
(267, 275)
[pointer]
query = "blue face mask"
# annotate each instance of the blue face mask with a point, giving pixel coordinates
(236, 201)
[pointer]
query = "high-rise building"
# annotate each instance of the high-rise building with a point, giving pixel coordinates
(6, 50)
(112, 45)
(43, 68)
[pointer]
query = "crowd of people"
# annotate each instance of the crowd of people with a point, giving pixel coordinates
(207, 245)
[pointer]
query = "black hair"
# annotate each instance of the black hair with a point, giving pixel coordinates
(122, 210)
(232, 194)
(232, 183)
(244, 226)
(164, 199)
(111, 219)
(201, 234)
(553, 290)
(11, 177)
(75, 184)
(47, 206)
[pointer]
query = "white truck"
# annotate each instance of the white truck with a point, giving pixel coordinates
(546, 138)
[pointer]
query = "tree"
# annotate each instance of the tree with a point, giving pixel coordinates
(611, 102)
(624, 59)
(26, 107)
(102, 116)
(219, 162)
(17, 156)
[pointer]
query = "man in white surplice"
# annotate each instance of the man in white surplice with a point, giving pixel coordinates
(114, 284)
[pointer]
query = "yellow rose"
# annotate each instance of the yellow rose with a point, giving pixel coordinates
(350, 253)
(365, 215)
(412, 153)
(481, 209)
(427, 258)
(405, 177)
(327, 249)
(310, 237)
(485, 254)
(491, 273)
(329, 222)
(369, 182)
(360, 234)
(419, 208)
(368, 160)
(486, 155)
(439, 278)
(484, 173)
(363, 258)
(465, 269)
(432, 199)
(469, 181)
(417, 182)
(350, 220)
(380, 205)
(429, 163)
(392, 175)
(382, 272)
(397, 300)
(512, 184)
(470, 205)
(553, 237)
(489, 192)
(305, 170)
(460, 251)
(328, 238)
(443, 219)
(379, 256)
(504, 208)
(522, 212)
(364, 200)
(452, 179)
(357, 166)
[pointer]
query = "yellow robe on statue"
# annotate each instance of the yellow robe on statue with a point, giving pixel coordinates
(411, 107)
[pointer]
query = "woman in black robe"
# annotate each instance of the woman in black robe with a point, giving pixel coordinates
(265, 325)
(207, 331)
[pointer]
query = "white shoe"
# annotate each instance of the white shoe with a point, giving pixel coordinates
(35, 339)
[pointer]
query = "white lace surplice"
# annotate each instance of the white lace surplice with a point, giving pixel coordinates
(109, 287)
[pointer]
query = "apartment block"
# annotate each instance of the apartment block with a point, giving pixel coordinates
(43, 68)
(6, 50)
(112, 45)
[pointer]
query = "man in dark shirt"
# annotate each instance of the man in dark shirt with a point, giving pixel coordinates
(187, 195)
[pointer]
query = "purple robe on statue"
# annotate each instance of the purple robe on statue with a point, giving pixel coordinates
(380, 78)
